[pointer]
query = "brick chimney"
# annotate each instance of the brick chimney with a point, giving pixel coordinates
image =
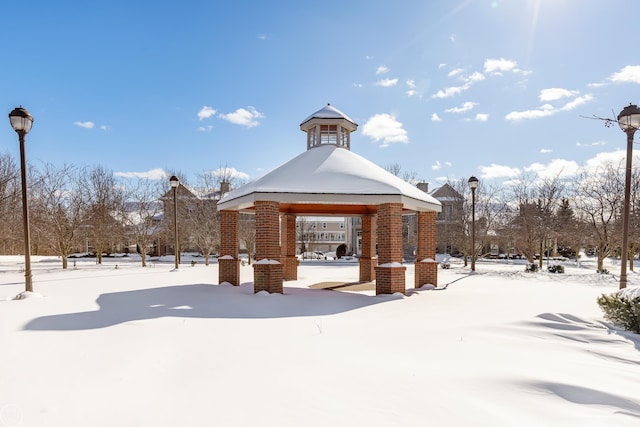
(424, 186)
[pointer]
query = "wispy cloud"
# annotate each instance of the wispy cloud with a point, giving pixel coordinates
(386, 129)
(153, 174)
(591, 144)
(553, 94)
(206, 112)
(387, 82)
(411, 91)
(481, 117)
(383, 69)
(547, 110)
(86, 125)
(435, 118)
(207, 128)
(545, 150)
(248, 117)
(463, 108)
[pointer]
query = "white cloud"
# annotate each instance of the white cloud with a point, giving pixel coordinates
(228, 172)
(86, 125)
(544, 111)
(387, 82)
(382, 69)
(555, 168)
(581, 100)
(385, 128)
(611, 158)
(245, 117)
(481, 117)
(546, 150)
(555, 93)
(547, 110)
(205, 128)
(628, 74)
(455, 72)
(475, 77)
(451, 91)
(591, 144)
(438, 165)
(262, 36)
(499, 171)
(104, 127)
(435, 118)
(497, 66)
(154, 174)
(463, 108)
(206, 112)
(358, 85)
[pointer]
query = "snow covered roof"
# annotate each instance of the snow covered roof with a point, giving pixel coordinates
(328, 112)
(329, 180)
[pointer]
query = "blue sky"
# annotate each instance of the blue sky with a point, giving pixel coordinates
(446, 89)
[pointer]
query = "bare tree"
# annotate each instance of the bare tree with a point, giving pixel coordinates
(598, 198)
(10, 202)
(247, 233)
(142, 216)
(105, 199)
(59, 208)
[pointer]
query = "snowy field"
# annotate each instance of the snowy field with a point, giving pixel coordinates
(133, 346)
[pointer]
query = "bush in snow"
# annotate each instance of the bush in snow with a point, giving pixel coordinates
(531, 268)
(622, 308)
(555, 269)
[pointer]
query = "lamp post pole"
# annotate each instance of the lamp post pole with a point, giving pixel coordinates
(629, 121)
(473, 184)
(175, 182)
(21, 122)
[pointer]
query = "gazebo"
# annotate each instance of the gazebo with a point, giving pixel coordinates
(328, 179)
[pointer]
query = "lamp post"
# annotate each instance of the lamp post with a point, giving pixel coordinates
(629, 121)
(175, 182)
(21, 122)
(473, 184)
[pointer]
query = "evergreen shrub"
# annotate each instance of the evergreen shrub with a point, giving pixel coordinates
(531, 268)
(555, 269)
(622, 308)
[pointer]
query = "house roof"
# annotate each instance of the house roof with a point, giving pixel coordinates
(329, 180)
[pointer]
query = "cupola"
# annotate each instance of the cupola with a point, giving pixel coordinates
(328, 126)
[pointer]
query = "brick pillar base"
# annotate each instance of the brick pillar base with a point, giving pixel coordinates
(267, 277)
(390, 280)
(290, 267)
(229, 270)
(368, 268)
(426, 272)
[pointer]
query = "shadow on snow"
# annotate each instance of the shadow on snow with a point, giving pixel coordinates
(208, 302)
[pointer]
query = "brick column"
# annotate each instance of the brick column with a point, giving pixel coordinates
(288, 242)
(228, 261)
(368, 259)
(426, 267)
(390, 273)
(267, 270)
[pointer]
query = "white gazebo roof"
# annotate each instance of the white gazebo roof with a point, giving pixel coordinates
(329, 180)
(328, 112)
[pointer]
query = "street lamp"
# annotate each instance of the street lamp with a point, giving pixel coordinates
(473, 184)
(629, 121)
(175, 182)
(21, 122)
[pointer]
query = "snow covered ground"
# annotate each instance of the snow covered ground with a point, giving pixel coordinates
(133, 346)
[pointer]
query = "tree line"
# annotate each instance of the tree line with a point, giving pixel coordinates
(91, 209)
